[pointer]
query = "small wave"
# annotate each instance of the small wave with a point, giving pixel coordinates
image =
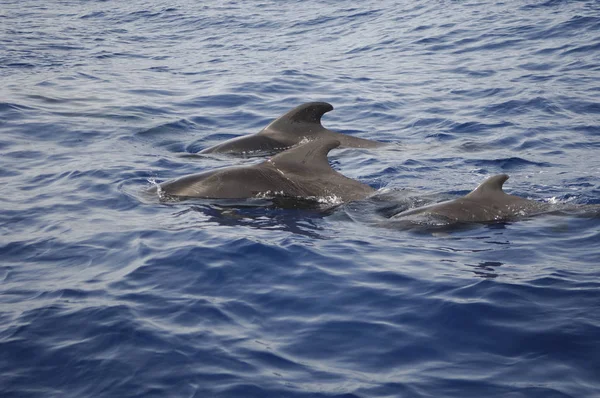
(507, 163)
(167, 128)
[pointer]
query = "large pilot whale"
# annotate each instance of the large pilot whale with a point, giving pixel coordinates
(488, 202)
(300, 172)
(300, 124)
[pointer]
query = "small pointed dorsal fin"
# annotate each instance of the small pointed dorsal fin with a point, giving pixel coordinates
(489, 186)
(310, 157)
(308, 113)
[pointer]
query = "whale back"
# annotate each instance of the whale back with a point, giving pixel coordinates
(487, 202)
(302, 122)
(308, 166)
(302, 171)
(307, 158)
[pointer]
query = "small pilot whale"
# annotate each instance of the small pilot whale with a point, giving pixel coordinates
(301, 172)
(488, 202)
(301, 123)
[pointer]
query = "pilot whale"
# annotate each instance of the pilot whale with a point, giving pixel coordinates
(488, 202)
(302, 172)
(300, 124)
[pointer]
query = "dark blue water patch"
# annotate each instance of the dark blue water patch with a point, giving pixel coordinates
(587, 129)
(430, 40)
(581, 145)
(24, 154)
(103, 54)
(280, 86)
(78, 139)
(219, 101)
(8, 173)
(441, 137)
(96, 14)
(537, 67)
(462, 41)
(547, 4)
(519, 107)
(478, 127)
(154, 92)
(87, 350)
(507, 163)
(13, 108)
(326, 341)
(45, 179)
(422, 27)
(574, 27)
(242, 119)
(490, 46)
(169, 131)
(135, 111)
(540, 143)
(49, 251)
(537, 77)
(480, 93)
(49, 100)
(581, 182)
(552, 50)
(359, 15)
(277, 214)
(428, 122)
(581, 107)
(577, 65)
(159, 69)
(145, 15)
(17, 65)
(65, 47)
(590, 48)
(213, 267)
(472, 73)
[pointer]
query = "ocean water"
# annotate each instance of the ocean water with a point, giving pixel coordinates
(106, 292)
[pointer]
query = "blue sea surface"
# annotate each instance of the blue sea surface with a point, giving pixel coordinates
(107, 292)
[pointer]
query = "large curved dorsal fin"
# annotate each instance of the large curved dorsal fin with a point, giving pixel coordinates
(308, 113)
(310, 157)
(490, 186)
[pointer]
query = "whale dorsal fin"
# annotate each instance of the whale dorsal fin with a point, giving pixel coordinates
(309, 113)
(306, 158)
(489, 186)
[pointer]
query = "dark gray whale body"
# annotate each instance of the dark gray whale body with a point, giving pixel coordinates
(301, 172)
(301, 123)
(488, 202)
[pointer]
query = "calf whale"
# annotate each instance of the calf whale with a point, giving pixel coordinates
(300, 124)
(301, 172)
(488, 202)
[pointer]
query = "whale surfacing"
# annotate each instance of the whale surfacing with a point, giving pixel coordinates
(301, 123)
(488, 202)
(301, 172)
